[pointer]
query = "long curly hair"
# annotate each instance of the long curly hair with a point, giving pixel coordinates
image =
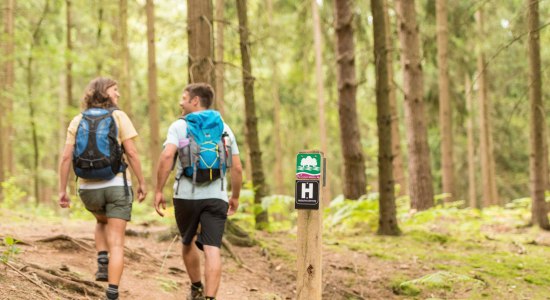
(96, 95)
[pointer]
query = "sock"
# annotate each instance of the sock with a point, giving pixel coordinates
(112, 291)
(103, 257)
(196, 285)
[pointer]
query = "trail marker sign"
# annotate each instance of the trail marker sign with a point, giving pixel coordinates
(307, 194)
(308, 166)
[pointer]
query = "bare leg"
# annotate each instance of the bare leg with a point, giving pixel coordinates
(115, 237)
(100, 233)
(192, 261)
(212, 270)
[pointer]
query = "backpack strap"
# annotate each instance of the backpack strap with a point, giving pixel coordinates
(123, 165)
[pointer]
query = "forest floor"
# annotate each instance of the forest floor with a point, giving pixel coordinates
(506, 262)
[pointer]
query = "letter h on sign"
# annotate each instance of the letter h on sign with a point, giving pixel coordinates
(307, 194)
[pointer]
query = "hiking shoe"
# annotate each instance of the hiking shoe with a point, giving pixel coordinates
(102, 273)
(196, 293)
(111, 296)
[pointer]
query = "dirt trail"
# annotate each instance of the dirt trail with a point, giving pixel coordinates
(154, 269)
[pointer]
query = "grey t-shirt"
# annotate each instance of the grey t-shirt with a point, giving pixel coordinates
(177, 135)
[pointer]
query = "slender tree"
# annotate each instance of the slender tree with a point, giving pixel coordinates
(99, 32)
(201, 56)
(8, 84)
(420, 175)
(387, 224)
(124, 56)
(398, 169)
(69, 61)
(445, 111)
(472, 198)
(258, 178)
(490, 196)
(318, 42)
(279, 178)
(537, 121)
(154, 139)
(219, 17)
(354, 162)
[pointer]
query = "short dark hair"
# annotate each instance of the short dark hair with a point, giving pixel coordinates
(204, 91)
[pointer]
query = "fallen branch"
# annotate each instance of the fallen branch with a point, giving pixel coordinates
(227, 246)
(168, 250)
(42, 289)
(79, 244)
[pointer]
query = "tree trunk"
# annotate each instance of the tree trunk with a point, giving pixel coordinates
(445, 111)
(201, 62)
(9, 79)
(258, 178)
(154, 139)
(420, 175)
(490, 196)
(124, 56)
(387, 224)
(537, 122)
(279, 176)
(472, 198)
(398, 168)
(220, 25)
(99, 32)
(69, 62)
(354, 180)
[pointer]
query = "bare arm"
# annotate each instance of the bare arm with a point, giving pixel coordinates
(236, 182)
(166, 160)
(64, 168)
(133, 159)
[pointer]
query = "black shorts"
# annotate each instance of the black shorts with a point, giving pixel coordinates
(210, 213)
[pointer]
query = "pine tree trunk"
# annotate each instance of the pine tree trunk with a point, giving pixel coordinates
(318, 41)
(219, 17)
(279, 176)
(420, 175)
(490, 196)
(537, 122)
(9, 79)
(69, 62)
(472, 198)
(445, 111)
(258, 178)
(354, 180)
(387, 224)
(124, 56)
(201, 62)
(154, 139)
(398, 169)
(99, 32)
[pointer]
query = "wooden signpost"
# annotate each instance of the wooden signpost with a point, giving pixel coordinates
(310, 183)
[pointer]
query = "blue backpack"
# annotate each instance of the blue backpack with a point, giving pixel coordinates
(208, 154)
(97, 153)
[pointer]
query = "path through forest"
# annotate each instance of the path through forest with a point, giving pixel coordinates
(62, 267)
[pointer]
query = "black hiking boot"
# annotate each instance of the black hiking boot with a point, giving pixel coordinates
(102, 273)
(196, 293)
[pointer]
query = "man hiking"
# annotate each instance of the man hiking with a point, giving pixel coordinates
(205, 148)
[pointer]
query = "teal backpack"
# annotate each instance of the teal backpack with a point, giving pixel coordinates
(208, 154)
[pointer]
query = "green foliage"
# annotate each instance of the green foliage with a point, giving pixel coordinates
(10, 249)
(352, 216)
(13, 194)
(442, 280)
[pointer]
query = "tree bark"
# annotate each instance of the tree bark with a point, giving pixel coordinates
(69, 62)
(387, 223)
(99, 32)
(472, 194)
(537, 121)
(318, 42)
(354, 181)
(220, 25)
(258, 178)
(124, 56)
(9, 79)
(154, 139)
(445, 111)
(201, 62)
(490, 196)
(279, 178)
(398, 169)
(420, 175)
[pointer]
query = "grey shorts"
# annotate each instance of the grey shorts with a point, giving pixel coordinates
(110, 201)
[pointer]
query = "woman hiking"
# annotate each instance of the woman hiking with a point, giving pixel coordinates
(98, 142)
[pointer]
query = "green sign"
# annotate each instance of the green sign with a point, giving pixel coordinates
(308, 166)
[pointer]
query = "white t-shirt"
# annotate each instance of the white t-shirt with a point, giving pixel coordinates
(177, 133)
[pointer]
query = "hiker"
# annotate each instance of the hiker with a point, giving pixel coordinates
(98, 142)
(205, 147)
